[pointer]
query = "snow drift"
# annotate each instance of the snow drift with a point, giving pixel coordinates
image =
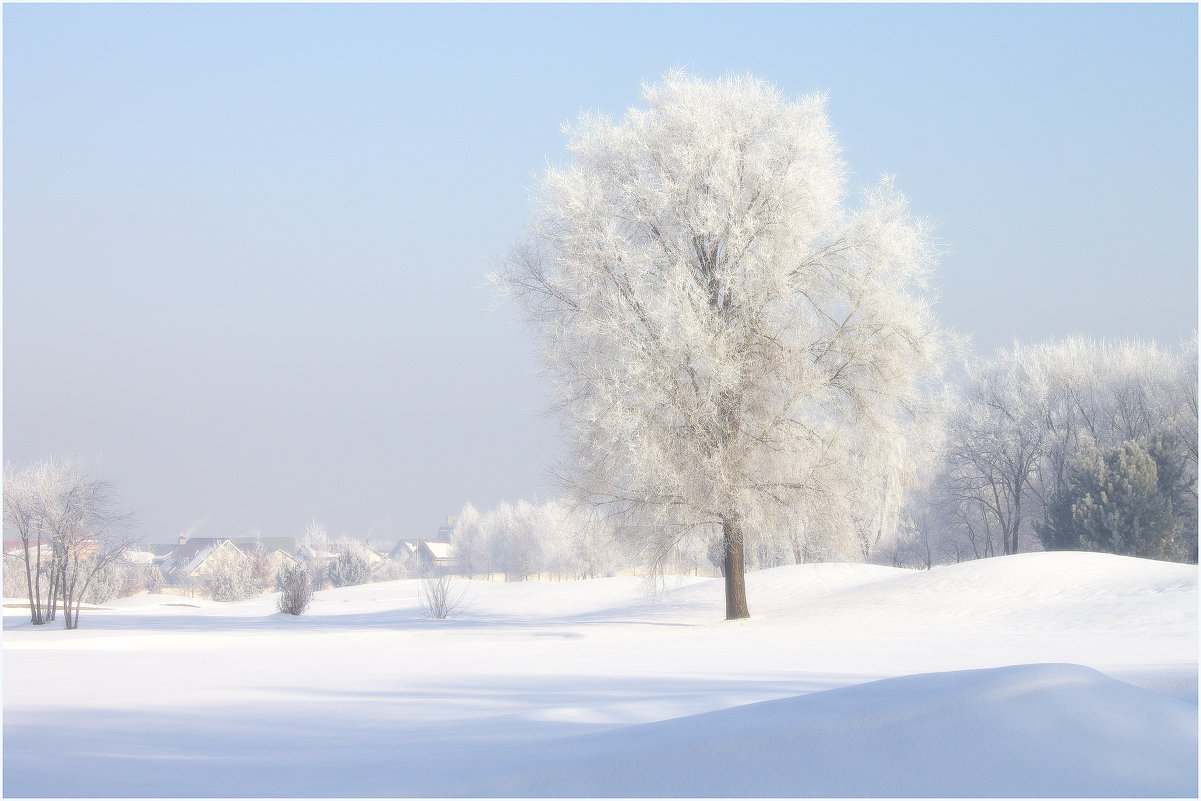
(1037, 674)
(1029, 730)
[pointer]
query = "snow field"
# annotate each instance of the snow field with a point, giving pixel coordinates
(598, 688)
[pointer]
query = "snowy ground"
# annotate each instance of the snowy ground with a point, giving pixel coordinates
(850, 680)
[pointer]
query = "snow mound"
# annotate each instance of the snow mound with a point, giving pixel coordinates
(1028, 577)
(1019, 731)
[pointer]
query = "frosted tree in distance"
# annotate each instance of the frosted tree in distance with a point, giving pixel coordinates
(728, 339)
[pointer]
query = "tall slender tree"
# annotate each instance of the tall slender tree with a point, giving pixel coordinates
(72, 528)
(729, 340)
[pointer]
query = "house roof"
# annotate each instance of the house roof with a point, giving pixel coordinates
(285, 544)
(192, 554)
(404, 548)
(187, 552)
(439, 549)
(310, 552)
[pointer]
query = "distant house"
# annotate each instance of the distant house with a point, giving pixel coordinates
(374, 558)
(404, 554)
(279, 558)
(438, 554)
(15, 550)
(198, 558)
(268, 544)
(139, 556)
(280, 551)
(420, 555)
(311, 553)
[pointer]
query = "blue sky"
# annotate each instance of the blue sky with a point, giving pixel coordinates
(245, 246)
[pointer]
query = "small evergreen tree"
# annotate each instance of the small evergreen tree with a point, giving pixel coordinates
(234, 581)
(153, 579)
(106, 584)
(260, 565)
(1125, 501)
(349, 568)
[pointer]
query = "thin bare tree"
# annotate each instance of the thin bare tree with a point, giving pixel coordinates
(63, 506)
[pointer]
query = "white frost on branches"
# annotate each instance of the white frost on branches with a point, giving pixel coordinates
(730, 342)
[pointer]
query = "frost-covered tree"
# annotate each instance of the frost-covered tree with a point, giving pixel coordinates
(1126, 501)
(72, 530)
(470, 547)
(315, 548)
(295, 587)
(1109, 392)
(516, 538)
(22, 497)
(152, 578)
(1025, 415)
(261, 568)
(728, 338)
(350, 567)
(233, 579)
(997, 441)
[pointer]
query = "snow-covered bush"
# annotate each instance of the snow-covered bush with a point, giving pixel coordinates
(295, 589)
(349, 567)
(107, 583)
(233, 581)
(15, 583)
(152, 578)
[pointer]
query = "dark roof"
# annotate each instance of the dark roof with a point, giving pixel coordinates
(195, 545)
(285, 544)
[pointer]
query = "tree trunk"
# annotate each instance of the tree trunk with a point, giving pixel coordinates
(732, 564)
(35, 613)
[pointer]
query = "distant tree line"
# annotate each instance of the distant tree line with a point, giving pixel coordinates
(1071, 445)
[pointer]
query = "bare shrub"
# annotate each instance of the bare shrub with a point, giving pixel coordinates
(441, 596)
(296, 589)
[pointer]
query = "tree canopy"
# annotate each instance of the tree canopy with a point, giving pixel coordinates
(734, 346)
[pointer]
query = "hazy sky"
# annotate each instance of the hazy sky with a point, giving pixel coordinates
(245, 246)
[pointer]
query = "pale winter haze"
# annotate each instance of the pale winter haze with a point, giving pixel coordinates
(245, 247)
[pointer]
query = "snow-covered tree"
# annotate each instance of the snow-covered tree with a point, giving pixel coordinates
(152, 578)
(72, 530)
(517, 544)
(729, 340)
(315, 549)
(233, 579)
(1026, 415)
(998, 441)
(295, 589)
(350, 566)
(1125, 501)
(260, 563)
(470, 547)
(22, 497)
